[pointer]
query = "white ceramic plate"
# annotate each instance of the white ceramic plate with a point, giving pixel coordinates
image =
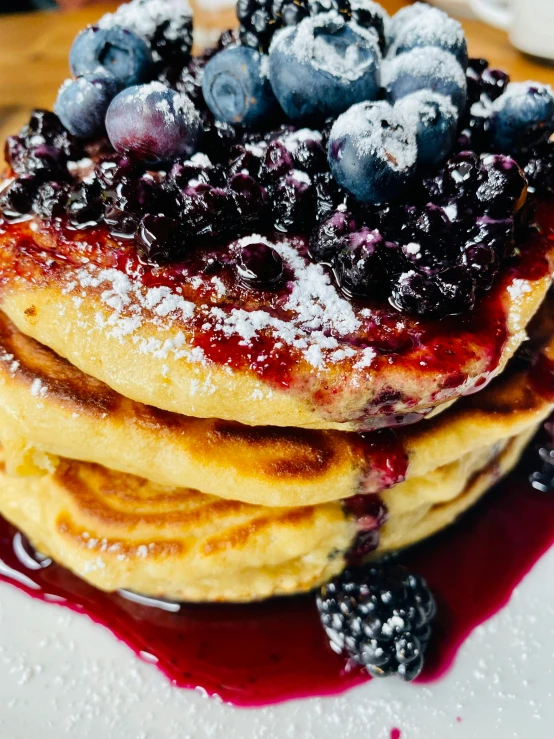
(62, 676)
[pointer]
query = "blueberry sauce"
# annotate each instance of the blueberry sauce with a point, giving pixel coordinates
(263, 653)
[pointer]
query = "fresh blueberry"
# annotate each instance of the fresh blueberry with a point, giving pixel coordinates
(165, 24)
(522, 116)
(432, 69)
(153, 123)
(369, 14)
(323, 66)
(435, 119)
(372, 152)
(82, 103)
(405, 16)
(120, 52)
(236, 87)
(432, 28)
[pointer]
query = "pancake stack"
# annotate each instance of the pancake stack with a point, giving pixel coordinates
(235, 358)
(103, 475)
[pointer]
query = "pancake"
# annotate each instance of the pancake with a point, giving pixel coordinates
(120, 531)
(50, 409)
(205, 346)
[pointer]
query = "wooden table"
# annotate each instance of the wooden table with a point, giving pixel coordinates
(34, 49)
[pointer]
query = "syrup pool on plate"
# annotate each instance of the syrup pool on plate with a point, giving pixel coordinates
(262, 653)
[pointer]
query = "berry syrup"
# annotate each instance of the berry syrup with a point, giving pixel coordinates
(262, 653)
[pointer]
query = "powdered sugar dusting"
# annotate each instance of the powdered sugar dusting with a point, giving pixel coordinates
(426, 63)
(362, 125)
(306, 44)
(314, 318)
(145, 16)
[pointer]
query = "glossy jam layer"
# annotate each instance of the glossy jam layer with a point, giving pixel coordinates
(274, 651)
(444, 351)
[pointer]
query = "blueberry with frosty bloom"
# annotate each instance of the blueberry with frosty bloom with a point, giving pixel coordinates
(425, 69)
(153, 123)
(236, 87)
(82, 103)
(117, 51)
(432, 28)
(373, 152)
(323, 66)
(522, 116)
(435, 120)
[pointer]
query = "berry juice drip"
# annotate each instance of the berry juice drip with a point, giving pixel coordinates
(263, 653)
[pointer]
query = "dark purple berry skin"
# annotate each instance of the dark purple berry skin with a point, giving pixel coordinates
(327, 238)
(277, 163)
(293, 202)
(16, 201)
(117, 51)
(51, 200)
(251, 201)
(360, 264)
(372, 152)
(483, 263)
(503, 191)
(522, 117)
(260, 266)
(207, 213)
(153, 123)
(159, 239)
(85, 208)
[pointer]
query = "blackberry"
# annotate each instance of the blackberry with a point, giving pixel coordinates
(380, 617)
(257, 23)
(259, 19)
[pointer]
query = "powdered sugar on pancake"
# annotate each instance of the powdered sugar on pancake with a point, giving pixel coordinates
(314, 318)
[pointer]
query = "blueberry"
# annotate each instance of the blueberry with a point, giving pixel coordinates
(85, 208)
(323, 66)
(165, 24)
(260, 266)
(371, 15)
(236, 87)
(432, 28)
(327, 237)
(277, 162)
(82, 103)
(504, 189)
(449, 292)
(51, 200)
(360, 265)
(483, 263)
(159, 238)
(372, 152)
(120, 52)
(153, 123)
(294, 202)
(522, 116)
(250, 199)
(16, 201)
(405, 16)
(432, 69)
(435, 119)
